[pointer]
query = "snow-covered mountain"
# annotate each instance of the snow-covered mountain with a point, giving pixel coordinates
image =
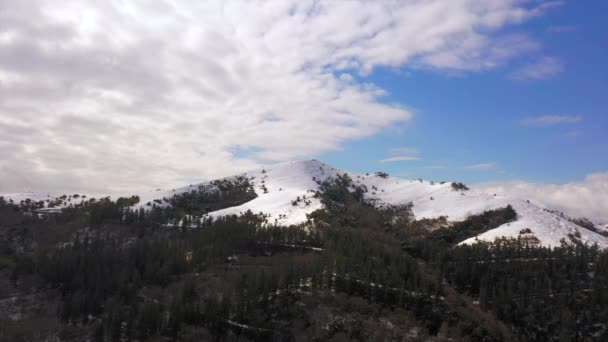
(280, 185)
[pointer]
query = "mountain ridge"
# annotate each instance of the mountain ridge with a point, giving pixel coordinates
(285, 194)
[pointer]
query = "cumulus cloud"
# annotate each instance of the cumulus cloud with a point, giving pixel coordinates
(549, 120)
(482, 166)
(544, 68)
(587, 198)
(113, 95)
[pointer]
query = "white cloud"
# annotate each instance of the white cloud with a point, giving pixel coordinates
(549, 120)
(114, 95)
(482, 166)
(402, 154)
(399, 158)
(544, 68)
(587, 198)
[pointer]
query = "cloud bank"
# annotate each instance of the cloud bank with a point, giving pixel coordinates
(113, 95)
(587, 198)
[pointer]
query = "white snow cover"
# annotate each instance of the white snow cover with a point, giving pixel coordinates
(286, 182)
(34, 196)
(45, 197)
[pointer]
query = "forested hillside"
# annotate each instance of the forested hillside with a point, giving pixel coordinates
(355, 271)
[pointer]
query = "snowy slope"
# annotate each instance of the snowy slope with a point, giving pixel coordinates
(286, 182)
(56, 199)
(548, 227)
(34, 196)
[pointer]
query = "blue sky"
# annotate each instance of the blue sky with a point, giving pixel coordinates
(471, 118)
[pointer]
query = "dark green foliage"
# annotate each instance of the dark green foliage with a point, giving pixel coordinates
(544, 293)
(382, 174)
(345, 205)
(431, 245)
(459, 186)
(103, 275)
(474, 225)
(217, 195)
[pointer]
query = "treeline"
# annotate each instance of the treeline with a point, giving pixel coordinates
(187, 207)
(217, 195)
(431, 244)
(556, 293)
(100, 276)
